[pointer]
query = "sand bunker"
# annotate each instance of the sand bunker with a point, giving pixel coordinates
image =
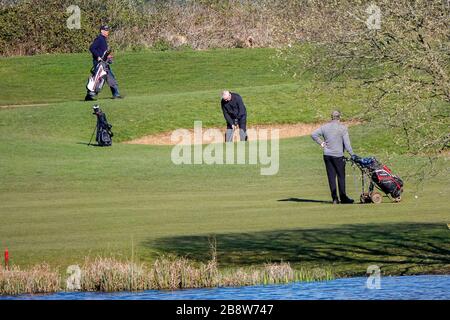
(285, 131)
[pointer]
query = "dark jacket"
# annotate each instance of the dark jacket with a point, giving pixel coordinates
(99, 47)
(233, 109)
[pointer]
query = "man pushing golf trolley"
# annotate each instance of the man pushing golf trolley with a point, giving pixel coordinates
(334, 139)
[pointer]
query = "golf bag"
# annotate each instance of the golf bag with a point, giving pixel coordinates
(104, 134)
(98, 75)
(97, 79)
(379, 176)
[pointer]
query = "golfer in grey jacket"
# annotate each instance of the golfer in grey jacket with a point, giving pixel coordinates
(334, 139)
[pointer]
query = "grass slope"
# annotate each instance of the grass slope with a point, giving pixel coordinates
(61, 200)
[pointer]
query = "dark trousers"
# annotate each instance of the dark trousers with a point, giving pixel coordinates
(336, 167)
(242, 122)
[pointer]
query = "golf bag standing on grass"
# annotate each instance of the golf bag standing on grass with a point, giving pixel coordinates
(103, 129)
(378, 176)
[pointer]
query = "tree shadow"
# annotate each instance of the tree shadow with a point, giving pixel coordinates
(399, 246)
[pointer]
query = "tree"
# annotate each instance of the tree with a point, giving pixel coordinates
(396, 51)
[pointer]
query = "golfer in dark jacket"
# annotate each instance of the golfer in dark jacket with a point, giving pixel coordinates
(235, 114)
(99, 49)
(333, 138)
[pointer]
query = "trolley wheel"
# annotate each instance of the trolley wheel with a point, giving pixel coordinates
(365, 198)
(376, 197)
(362, 199)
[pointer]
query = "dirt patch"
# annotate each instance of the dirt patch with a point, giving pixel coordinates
(24, 105)
(254, 133)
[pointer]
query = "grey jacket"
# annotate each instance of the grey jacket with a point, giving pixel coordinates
(336, 138)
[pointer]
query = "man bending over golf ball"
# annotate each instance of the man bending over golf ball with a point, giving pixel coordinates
(235, 114)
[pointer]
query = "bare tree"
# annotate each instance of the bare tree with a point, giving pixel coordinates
(396, 51)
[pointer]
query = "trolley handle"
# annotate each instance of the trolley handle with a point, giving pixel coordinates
(353, 159)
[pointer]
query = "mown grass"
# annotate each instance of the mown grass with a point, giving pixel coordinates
(51, 78)
(164, 91)
(61, 201)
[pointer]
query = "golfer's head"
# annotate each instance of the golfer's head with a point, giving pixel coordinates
(335, 115)
(104, 30)
(226, 95)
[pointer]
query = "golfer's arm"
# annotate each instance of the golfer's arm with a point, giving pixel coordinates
(227, 117)
(95, 52)
(241, 107)
(316, 136)
(347, 144)
(95, 49)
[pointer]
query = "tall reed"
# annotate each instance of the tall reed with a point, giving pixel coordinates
(39, 279)
(166, 273)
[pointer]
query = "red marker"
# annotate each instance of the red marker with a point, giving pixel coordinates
(6, 258)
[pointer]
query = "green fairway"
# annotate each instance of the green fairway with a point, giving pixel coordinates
(61, 200)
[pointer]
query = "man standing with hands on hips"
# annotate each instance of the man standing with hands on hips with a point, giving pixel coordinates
(334, 139)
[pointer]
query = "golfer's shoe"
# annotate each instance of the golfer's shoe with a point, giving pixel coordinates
(335, 201)
(89, 98)
(347, 200)
(117, 97)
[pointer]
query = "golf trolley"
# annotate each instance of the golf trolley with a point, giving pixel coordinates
(377, 177)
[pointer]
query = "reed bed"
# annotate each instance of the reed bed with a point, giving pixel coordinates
(39, 279)
(166, 273)
(110, 275)
(175, 273)
(281, 273)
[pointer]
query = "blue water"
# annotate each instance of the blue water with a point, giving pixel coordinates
(403, 288)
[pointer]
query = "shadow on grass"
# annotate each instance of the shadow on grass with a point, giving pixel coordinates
(90, 145)
(305, 200)
(405, 248)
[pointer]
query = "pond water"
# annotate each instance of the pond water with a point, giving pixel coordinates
(390, 288)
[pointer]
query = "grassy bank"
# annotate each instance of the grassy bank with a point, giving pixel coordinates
(166, 273)
(61, 201)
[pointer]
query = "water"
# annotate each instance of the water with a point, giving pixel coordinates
(402, 288)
